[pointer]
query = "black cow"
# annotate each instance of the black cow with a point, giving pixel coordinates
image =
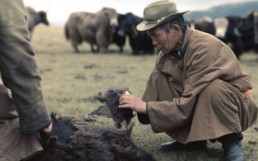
(248, 28)
(140, 42)
(119, 38)
(204, 24)
(227, 31)
(241, 33)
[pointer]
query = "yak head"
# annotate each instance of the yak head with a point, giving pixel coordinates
(111, 100)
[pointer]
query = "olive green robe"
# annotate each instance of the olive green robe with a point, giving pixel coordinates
(20, 74)
(18, 67)
(13, 145)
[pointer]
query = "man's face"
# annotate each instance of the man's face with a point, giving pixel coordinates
(164, 41)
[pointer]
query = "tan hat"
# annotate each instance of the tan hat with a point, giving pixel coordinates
(157, 13)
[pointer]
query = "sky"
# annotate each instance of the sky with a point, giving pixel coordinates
(58, 11)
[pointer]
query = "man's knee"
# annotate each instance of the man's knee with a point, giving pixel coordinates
(213, 90)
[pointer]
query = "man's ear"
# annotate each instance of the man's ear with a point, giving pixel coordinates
(176, 27)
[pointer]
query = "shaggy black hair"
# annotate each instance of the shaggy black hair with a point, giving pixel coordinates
(88, 143)
(111, 100)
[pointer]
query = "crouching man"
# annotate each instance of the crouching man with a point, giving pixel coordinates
(197, 91)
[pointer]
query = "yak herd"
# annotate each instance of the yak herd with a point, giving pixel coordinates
(99, 30)
(74, 138)
(240, 33)
(107, 26)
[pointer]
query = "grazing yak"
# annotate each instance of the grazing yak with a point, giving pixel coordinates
(248, 28)
(95, 28)
(227, 31)
(119, 38)
(241, 33)
(34, 18)
(204, 24)
(140, 42)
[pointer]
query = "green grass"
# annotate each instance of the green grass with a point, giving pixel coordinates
(67, 82)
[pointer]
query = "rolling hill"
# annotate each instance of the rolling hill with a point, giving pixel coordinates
(235, 9)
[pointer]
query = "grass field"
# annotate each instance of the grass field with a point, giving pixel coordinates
(68, 79)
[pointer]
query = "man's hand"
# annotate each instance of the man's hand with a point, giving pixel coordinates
(45, 136)
(47, 130)
(133, 102)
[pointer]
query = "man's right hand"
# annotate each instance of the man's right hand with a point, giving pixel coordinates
(48, 129)
(45, 136)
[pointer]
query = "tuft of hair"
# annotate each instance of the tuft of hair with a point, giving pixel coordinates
(63, 128)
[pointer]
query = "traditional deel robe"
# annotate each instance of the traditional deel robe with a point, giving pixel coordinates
(20, 74)
(200, 96)
(18, 67)
(13, 145)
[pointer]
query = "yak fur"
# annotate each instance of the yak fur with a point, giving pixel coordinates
(111, 100)
(85, 142)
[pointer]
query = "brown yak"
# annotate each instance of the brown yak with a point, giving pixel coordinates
(93, 28)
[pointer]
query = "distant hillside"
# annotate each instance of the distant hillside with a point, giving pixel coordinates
(237, 9)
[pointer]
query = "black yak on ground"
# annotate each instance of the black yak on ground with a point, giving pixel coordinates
(74, 139)
(87, 143)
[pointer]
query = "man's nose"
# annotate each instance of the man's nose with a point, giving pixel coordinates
(154, 42)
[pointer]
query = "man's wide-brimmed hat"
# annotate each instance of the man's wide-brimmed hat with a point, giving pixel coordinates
(157, 13)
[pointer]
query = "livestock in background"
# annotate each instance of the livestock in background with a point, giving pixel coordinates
(240, 33)
(248, 28)
(73, 139)
(227, 31)
(119, 38)
(140, 42)
(94, 28)
(204, 24)
(35, 17)
(111, 100)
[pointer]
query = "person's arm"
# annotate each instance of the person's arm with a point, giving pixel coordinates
(133, 102)
(19, 69)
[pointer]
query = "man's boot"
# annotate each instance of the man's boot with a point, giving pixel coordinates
(175, 145)
(231, 145)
